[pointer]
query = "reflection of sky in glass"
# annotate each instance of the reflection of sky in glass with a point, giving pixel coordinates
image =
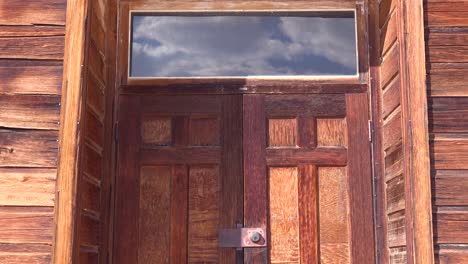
(214, 45)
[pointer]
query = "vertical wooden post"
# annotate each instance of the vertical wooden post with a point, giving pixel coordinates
(419, 160)
(69, 126)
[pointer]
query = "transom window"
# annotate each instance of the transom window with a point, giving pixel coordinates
(243, 44)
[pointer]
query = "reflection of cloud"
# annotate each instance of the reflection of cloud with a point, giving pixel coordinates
(242, 45)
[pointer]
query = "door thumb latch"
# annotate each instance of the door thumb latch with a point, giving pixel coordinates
(242, 237)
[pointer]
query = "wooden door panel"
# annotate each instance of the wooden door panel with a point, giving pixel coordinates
(310, 207)
(186, 173)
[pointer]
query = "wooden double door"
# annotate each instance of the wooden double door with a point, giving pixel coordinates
(297, 166)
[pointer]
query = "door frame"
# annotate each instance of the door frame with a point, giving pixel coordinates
(419, 190)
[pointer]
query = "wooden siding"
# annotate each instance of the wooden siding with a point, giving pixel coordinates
(31, 56)
(389, 117)
(92, 222)
(447, 69)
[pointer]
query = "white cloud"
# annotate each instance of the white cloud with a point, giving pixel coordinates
(237, 45)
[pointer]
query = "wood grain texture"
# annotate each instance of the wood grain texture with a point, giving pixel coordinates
(30, 111)
(447, 254)
(447, 115)
(28, 148)
(203, 215)
(156, 130)
(308, 213)
(390, 65)
(448, 83)
(32, 12)
(27, 187)
(359, 175)
(397, 229)
(255, 174)
(155, 214)
(333, 205)
(334, 253)
(74, 54)
(38, 48)
(332, 132)
(25, 253)
(391, 97)
(282, 132)
(284, 215)
(449, 151)
(449, 187)
(37, 79)
(26, 225)
(179, 218)
(204, 131)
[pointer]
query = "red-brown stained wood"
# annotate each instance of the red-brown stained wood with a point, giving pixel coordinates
(31, 31)
(386, 7)
(284, 215)
(93, 130)
(282, 132)
(359, 175)
(92, 162)
(308, 214)
(25, 253)
(29, 12)
(255, 174)
(179, 218)
(46, 80)
(306, 132)
(391, 97)
(332, 132)
(398, 255)
(320, 156)
(323, 105)
(448, 53)
(447, 254)
(445, 5)
(97, 63)
(27, 148)
(394, 162)
(448, 115)
(89, 231)
(333, 205)
(39, 48)
(90, 196)
(232, 187)
(203, 218)
(397, 229)
(448, 82)
(334, 253)
(95, 96)
(156, 130)
(395, 195)
(27, 187)
(204, 131)
(389, 33)
(188, 155)
(26, 225)
(446, 19)
(127, 208)
(392, 130)
(447, 37)
(450, 152)
(30, 111)
(390, 66)
(449, 187)
(155, 215)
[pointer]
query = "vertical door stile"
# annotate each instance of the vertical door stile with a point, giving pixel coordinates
(360, 184)
(255, 174)
(126, 218)
(232, 200)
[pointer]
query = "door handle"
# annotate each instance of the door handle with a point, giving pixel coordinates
(242, 237)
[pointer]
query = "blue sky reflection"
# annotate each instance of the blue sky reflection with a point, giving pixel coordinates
(247, 45)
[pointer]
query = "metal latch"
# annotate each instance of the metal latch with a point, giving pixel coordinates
(242, 237)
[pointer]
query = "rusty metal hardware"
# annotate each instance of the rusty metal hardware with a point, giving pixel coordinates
(242, 237)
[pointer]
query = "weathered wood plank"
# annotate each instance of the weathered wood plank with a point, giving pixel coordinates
(445, 5)
(397, 229)
(448, 115)
(449, 151)
(27, 187)
(31, 79)
(30, 111)
(33, 12)
(437, 54)
(449, 37)
(31, 31)
(390, 66)
(39, 48)
(450, 187)
(448, 254)
(391, 97)
(446, 19)
(392, 133)
(17, 253)
(389, 33)
(28, 148)
(395, 195)
(26, 224)
(448, 82)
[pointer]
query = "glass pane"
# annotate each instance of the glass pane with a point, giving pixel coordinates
(245, 44)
